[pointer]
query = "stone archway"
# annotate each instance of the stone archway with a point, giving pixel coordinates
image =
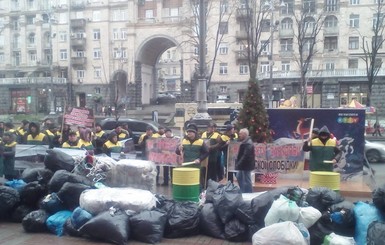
(146, 76)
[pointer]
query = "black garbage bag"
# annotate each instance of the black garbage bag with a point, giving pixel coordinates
(376, 233)
(236, 231)
(182, 220)
(226, 201)
(244, 213)
(322, 198)
(35, 221)
(318, 231)
(297, 195)
(9, 198)
(340, 218)
(20, 212)
(262, 203)
(378, 196)
(70, 230)
(212, 186)
(108, 226)
(69, 194)
(210, 223)
(32, 193)
(148, 226)
(43, 175)
(160, 200)
(60, 177)
(52, 203)
(56, 160)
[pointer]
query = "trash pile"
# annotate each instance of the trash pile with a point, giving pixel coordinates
(77, 197)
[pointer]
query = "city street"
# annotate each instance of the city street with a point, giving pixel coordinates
(379, 168)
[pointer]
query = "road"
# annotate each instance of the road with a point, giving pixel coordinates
(379, 169)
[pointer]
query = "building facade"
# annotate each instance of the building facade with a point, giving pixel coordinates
(100, 53)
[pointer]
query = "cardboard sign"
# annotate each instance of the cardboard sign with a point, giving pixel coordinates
(79, 116)
(161, 151)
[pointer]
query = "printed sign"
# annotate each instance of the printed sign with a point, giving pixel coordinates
(162, 151)
(79, 116)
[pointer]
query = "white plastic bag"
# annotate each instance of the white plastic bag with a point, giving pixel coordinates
(308, 216)
(334, 239)
(286, 233)
(282, 209)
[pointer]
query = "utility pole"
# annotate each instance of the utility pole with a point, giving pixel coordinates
(51, 96)
(202, 118)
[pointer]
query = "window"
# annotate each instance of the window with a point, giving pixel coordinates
(223, 68)
(265, 25)
(30, 19)
(149, 14)
(63, 18)
(265, 66)
(243, 69)
(97, 73)
(331, 21)
(119, 14)
(224, 6)
(331, 43)
(287, 7)
(265, 46)
(223, 89)
(377, 41)
(285, 65)
(31, 4)
(120, 53)
(378, 20)
(309, 6)
(16, 41)
(115, 34)
(63, 54)
(32, 57)
(123, 34)
(97, 53)
(223, 48)
(31, 39)
(223, 27)
(287, 24)
(308, 43)
(286, 45)
(353, 42)
(174, 70)
(353, 64)
(96, 15)
(329, 66)
(16, 58)
(79, 53)
(354, 21)
(378, 63)
(309, 23)
(354, 2)
(96, 34)
(331, 5)
(80, 73)
(63, 36)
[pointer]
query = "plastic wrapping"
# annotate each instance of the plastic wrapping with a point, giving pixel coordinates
(98, 200)
(282, 209)
(132, 173)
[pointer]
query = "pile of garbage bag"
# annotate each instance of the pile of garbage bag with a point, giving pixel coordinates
(72, 203)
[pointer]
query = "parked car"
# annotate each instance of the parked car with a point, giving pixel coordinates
(165, 98)
(138, 127)
(374, 152)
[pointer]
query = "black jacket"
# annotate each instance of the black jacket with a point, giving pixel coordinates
(246, 156)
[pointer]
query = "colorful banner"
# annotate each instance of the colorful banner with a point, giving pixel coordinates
(162, 151)
(79, 116)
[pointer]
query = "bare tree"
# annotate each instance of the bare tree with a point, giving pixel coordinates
(308, 22)
(371, 54)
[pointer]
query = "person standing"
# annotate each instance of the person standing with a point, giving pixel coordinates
(22, 131)
(213, 141)
(100, 137)
(228, 136)
(324, 152)
(86, 140)
(9, 150)
(194, 149)
(161, 133)
(52, 136)
(143, 138)
(377, 128)
(72, 142)
(34, 136)
(245, 161)
(112, 145)
(122, 134)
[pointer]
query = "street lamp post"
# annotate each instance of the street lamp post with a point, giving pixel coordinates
(51, 97)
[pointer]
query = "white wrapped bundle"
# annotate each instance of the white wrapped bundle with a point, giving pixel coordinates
(133, 173)
(96, 201)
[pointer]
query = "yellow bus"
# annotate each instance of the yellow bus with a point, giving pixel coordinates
(219, 112)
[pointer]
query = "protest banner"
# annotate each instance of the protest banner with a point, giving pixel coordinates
(79, 116)
(161, 151)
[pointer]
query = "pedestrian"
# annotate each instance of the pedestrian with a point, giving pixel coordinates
(193, 149)
(122, 134)
(34, 136)
(9, 149)
(324, 152)
(127, 130)
(213, 140)
(245, 161)
(112, 145)
(227, 137)
(72, 142)
(377, 128)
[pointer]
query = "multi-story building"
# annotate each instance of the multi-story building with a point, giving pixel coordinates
(98, 53)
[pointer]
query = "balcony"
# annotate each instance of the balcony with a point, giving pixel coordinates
(241, 35)
(331, 31)
(286, 33)
(78, 42)
(78, 5)
(241, 55)
(243, 13)
(78, 23)
(78, 61)
(33, 80)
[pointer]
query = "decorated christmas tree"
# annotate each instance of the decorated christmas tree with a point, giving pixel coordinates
(253, 115)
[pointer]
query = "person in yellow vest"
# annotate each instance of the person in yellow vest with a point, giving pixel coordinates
(112, 145)
(194, 149)
(85, 140)
(100, 137)
(22, 131)
(122, 134)
(34, 136)
(8, 154)
(9, 127)
(52, 135)
(213, 140)
(228, 136)
(72, 142)
(143, 138)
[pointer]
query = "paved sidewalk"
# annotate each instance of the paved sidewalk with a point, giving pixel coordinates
(14, 234)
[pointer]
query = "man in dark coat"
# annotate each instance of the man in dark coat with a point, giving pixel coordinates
(245, 162)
